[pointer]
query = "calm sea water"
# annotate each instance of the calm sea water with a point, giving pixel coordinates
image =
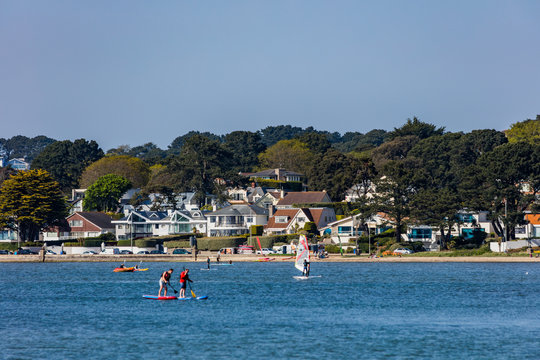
(257, 310)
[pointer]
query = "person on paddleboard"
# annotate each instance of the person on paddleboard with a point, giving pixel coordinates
(208, 262)
(164, 281)
(184, 278)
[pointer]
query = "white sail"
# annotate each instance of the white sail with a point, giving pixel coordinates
(302, 253)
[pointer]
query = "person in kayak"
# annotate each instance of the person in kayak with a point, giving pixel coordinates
(184, 278)
(164, 281)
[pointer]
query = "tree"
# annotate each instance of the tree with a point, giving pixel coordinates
(24, 147)
(287, 154)
(416, 127)
(396, 189)
(528, 130)
(503, 175)
(200, 167)
(104, 194)
(31, 201)
(176, 145)
(272, 134)
(364, 174)
(333, 173)
(245, 147)
(149, 153)
(396, 149)
(131, 168)
(66, 160)
(318, 143)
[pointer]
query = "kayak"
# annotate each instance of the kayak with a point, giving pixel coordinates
(265, 259)
(204, 297)
(155, 297)
(125, 269)
(140, 269)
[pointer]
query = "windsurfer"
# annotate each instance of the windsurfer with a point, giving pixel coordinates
(164, 281)
(307, 267)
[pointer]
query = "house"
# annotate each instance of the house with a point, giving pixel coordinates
(467, 224)
(76, 201)
(248, 195)
(355, 193)
(138, 224)
(80, 225)
(19, 164)
(235, 219)
(269, 199)
(276, 174)
(531, 229)
(349, 228)
(302, 197)
(289, 221)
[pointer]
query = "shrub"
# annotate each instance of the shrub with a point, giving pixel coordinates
(256, 230)
(8, 246)
(178, 244)
(125, 242)
(72, 243)
(107, 236)
(142, 243)
(216, 243)
(92, 242)
(310, 227)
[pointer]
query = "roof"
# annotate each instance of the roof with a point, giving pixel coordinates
(240, 210)
(304, 197)
(97, 218)
(275, 172)
(290, 213)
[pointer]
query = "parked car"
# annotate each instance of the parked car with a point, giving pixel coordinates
(4, 252)
(25, 252)
(89, 252)
(143, 252)
(181, 251)
(265, 251)
(403, 251)
(50, 252)
(156, 252)
(126, 252)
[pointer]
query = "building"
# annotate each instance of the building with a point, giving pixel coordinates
(302, 197)
(80, 225)
(349, 228)
(290, 221)
(235, 219)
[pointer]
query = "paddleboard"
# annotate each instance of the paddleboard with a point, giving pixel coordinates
(208, 269)
(306, 277)
(204, 297)
(155, 297)
(221, 264)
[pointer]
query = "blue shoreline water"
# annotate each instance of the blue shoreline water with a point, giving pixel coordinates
(358, 310)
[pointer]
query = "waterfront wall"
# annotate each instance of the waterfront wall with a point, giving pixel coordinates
(511, 245)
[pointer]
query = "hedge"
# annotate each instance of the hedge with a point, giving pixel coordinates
(177, 244)
(216, 243)
(142, 243)
(276, 184)
(92, 242)
(256, 230)
(166, 238)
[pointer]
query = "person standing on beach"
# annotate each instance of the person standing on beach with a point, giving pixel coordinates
(164, 281)
(184, 278)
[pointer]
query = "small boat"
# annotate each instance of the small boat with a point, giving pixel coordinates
(265, 259)
(124, 269)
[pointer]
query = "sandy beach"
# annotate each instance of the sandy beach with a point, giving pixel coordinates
(258, 258)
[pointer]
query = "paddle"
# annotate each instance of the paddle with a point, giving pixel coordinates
(176, 292)
(190, 289)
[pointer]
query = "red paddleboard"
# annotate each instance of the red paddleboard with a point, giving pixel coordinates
(155, 297)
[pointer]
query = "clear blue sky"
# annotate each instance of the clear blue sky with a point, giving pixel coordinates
(131, 72)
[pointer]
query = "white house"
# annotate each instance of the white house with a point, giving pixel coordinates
(235, 219)
(137, 224)
(349, 228)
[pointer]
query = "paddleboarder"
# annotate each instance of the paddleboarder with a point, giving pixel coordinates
(164, 281)
(184, 278)
(208, 262)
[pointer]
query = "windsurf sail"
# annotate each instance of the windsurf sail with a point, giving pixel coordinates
(302, 253)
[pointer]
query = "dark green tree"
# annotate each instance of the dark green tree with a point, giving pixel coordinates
(104, 194)
(272, 134)
(318, 143)
(396, 149)
(333, 173)
(416, 127)
(66, 160)
(176, 145)
(202, 167)
(31, 201)
(24, 147)
(245, 146)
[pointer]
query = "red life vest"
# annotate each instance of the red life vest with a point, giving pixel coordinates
(183, 276)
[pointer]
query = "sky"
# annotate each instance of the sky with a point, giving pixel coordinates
(131, 72)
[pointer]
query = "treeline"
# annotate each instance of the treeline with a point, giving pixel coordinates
(421, 173)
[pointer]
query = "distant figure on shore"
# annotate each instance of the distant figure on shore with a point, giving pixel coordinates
(218, 257)
(208, 262)
(164, 281)
(184, 278)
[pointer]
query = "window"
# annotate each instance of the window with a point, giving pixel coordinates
(249, 219)
(212, 219)
(282, 219)
(421, 233)
(75, 223)
(119, 227)
(156, 226)
(301, 219)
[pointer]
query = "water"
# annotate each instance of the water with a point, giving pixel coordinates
(257, 310)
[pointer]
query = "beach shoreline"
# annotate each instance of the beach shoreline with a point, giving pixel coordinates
(258, 258)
